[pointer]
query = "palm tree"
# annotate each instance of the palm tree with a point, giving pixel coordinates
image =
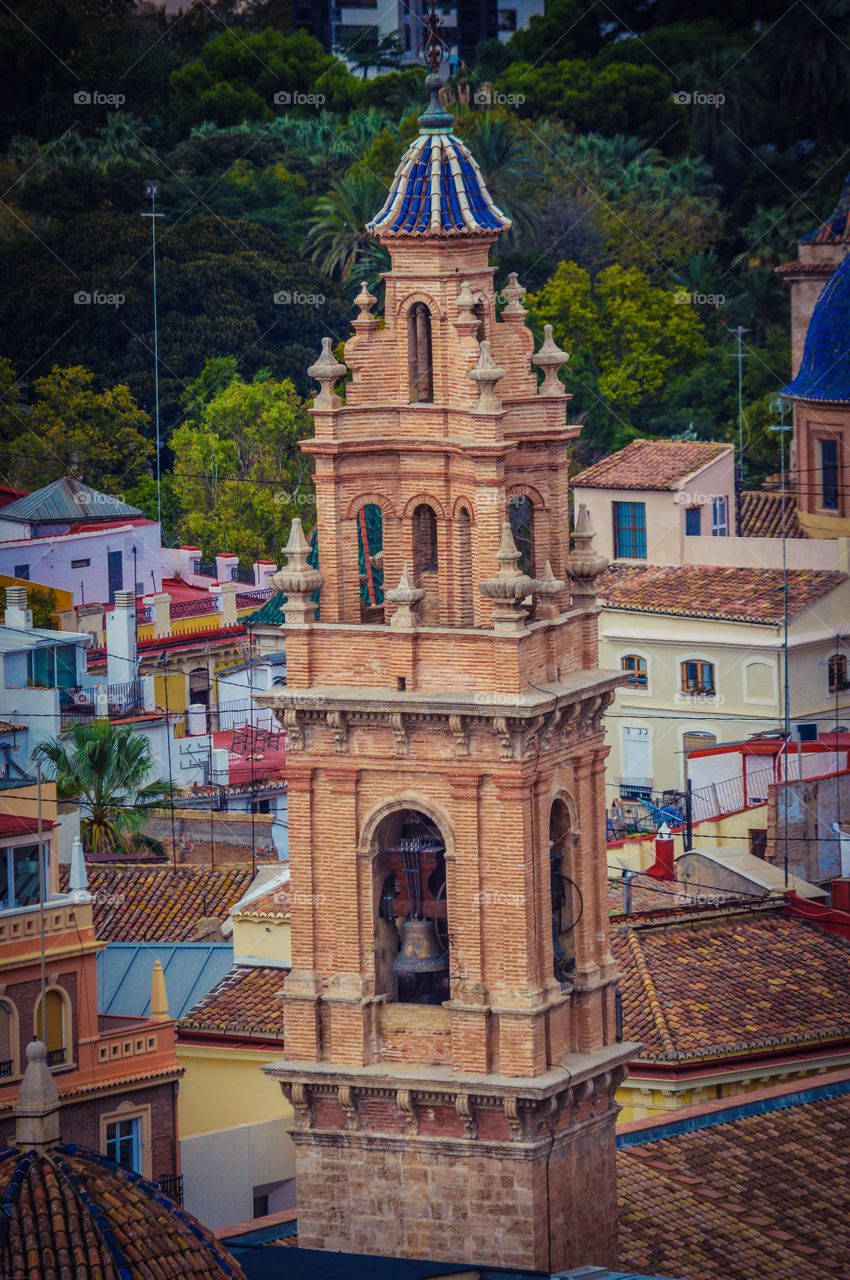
(501, 154)
(108, 768)
(337, 238)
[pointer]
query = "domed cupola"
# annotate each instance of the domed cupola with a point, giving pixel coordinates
(72, 1213)
(824, 373)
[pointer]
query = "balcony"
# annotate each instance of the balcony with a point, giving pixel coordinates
(57, 1057)
(171, 1184)
(6, 1067)
(104, 701)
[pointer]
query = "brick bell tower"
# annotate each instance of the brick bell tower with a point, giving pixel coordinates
(452, 1053)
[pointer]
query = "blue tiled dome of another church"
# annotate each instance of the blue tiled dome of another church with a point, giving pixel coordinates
(438, 190)
(825, 368)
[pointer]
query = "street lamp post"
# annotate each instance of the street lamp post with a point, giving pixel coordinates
(151, 191)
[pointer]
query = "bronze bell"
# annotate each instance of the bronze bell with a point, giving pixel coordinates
(422, 965)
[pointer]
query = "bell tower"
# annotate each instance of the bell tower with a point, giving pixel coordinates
(451, 1041)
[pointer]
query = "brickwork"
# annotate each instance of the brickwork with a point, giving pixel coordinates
(478, 1129)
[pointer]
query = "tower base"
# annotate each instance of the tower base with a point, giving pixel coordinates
(479, 1170)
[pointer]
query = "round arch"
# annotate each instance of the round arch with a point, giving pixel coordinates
(424, 500)
(463, 504)
(370, 500)
(534, 496)
(367, 841)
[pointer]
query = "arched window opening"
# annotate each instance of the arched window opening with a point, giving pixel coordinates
(838, 673)
(411, 933)
(521, 517)
(51, 1028)
(7, 1040)
(370, 562)
(480, 312)
(424, 540)
(465, 608)
(565, 893)
(419, 359)
(637, 671)
(199, 687)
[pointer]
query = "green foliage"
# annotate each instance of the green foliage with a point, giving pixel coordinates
(617, 99)
(239, 476)
(368, 48)
(109, 769)
(41, 600)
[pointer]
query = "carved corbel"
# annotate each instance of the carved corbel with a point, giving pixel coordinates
(298, 1097)
(466, 1111)
(460, 732)
(407, 1107)
(514, 1118)
(502, 730)
(337, 721)
(293, 724)
(345, 1096)
(400, 729)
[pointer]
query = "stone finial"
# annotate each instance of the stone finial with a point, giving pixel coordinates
(550, 359)
(547, 588)
(466, 317)
(327, 371)
(509, 588)
(406, 597)
(487, 373)
(37, 1107)
(78, 880)
(514, 292)
(159, 993)
(297, 579)
(584, 565)
(365, 301)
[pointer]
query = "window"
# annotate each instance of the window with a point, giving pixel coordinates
(563, 892)
(829, 475)
(51, 1027)
(124, 1143)
(80, 564)
(52, 667)
(420, 372)
(698, 676)
(636, 667)
(719, 517)
(19, 880)
(693, 521)
(424, 540)
(22, 571)
(66, 666)
(521, 517)
(8, 1035)
(629, 530)
(838, 673)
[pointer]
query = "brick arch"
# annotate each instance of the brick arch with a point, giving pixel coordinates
(410, 300)
(427, 500)
(526, 491)
(367, 499)
(464, 504)
(409, 800)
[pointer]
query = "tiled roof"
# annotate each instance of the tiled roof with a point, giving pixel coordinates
(650, 464)
(274, 904)
(67, 500)
(68, 1212)
(245, 1002)
(824, 373)
(760, 1191)
(712, 591)
(761, 515)
(805, 269)
(438, 190)
(737, 984)
(160, 903)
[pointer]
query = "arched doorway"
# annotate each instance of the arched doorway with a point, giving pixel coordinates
(565, 894)
(411, 912)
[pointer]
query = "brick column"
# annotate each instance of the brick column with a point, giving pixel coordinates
(301, 988)
(464, 895)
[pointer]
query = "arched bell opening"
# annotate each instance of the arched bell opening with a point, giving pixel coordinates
(370, 562)
(565, 894)
(521, 517)
(419, 355)
(426, 559)
(411, 916)
(465, 606)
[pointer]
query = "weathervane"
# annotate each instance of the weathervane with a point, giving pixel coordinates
(433, 46)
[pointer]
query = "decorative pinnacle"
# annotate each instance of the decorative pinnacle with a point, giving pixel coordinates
(584, 565)
(297, 579)
(550, 359)
(509, 588)
(326, 371)
(434, 51)
(433, 46)
(465, 303)
(37, 1107)
(365, 301)
(407, 597)
(514, 292)
(487, 373)
(548, 587)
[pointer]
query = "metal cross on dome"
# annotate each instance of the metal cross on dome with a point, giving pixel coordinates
(433, 46)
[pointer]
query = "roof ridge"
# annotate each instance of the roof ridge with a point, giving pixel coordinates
(651, 991)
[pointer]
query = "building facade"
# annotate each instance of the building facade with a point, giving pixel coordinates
(451, 1039)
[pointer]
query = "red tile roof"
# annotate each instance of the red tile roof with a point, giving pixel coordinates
(750, 1196)
(741, 984)
(161, 903)
(650, 464)
(761, 515)
(13, 825)
(712, 591)
(245, 1002)
(274, 904)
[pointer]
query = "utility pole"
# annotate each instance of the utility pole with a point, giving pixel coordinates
(740, 356)
(151, 191)
(783, 427)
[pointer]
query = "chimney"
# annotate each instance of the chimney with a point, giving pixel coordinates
(662, 868)
(121, 664)
(18, 615)
(79, 880)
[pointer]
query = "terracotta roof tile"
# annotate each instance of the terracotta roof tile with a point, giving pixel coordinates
(246, 1001)
(699, 990)
(276, 903)
(745, 1198)
(69, 1212)
(761, 515)
(712, 591)
(650, 464)
(159, 903)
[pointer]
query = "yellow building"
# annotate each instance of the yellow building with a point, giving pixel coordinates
(232, 1116)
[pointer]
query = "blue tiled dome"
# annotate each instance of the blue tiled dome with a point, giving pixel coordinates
(825, 368)
(438, 190)
(836, 229)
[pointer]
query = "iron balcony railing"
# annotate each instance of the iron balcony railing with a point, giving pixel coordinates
(56, 1057)
(171, 1184)
(6, 1067)
(100, 701)
(204, 568)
